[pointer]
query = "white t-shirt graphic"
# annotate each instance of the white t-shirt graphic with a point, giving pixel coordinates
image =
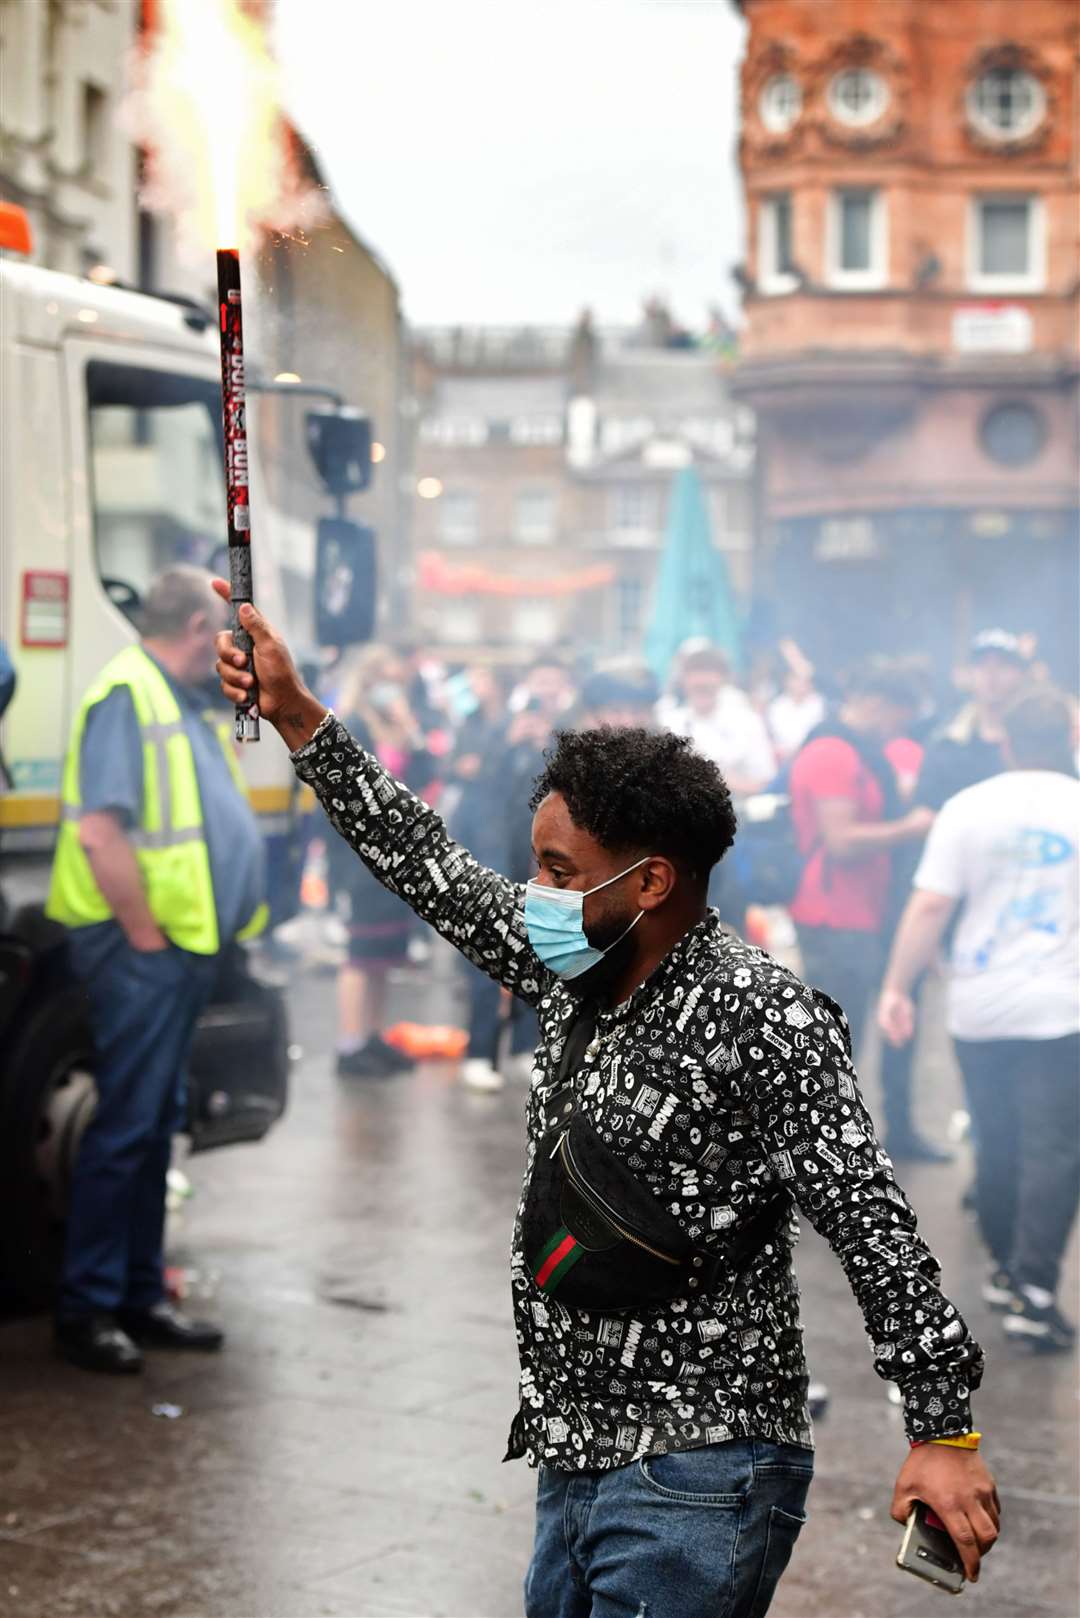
(1007, 850)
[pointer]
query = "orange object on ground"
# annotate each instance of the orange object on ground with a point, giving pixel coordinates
(424, 1041)
(15, 232)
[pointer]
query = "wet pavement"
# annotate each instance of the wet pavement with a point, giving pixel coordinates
(342, 1456)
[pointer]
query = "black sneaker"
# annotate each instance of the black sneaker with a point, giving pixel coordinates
(1042, 1327)
(394, 1061)
(375, 1059)
(96, 1343)
(998, 1289)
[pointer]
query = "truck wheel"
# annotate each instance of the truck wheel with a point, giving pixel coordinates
(47, 1096)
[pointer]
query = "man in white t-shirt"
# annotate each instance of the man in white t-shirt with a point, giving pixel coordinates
(1005, 852)
(722, 723)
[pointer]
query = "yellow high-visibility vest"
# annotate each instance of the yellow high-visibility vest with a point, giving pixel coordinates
(169, 844)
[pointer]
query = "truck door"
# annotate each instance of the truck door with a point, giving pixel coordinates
(149, 488)
(146, 427)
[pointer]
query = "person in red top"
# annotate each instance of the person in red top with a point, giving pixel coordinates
(848, 816)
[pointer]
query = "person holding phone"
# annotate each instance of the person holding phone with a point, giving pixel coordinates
(715, 1091)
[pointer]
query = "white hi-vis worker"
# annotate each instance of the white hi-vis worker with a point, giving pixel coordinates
(170, 845)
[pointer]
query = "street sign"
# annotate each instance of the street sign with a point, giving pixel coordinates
(992, 328)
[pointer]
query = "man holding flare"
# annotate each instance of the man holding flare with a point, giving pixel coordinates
(712, 1089)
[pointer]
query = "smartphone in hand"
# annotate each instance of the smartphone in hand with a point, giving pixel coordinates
(927, 1551)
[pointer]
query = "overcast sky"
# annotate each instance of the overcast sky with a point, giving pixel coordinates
(516, 160)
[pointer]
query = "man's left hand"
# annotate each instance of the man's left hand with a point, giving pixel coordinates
(896, 1016)
(958, 1485)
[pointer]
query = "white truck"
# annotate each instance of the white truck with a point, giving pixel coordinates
(110, 469)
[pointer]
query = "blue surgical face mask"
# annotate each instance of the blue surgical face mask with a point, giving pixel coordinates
(555, 923)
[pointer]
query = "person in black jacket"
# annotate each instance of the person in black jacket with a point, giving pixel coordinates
(716, 1078)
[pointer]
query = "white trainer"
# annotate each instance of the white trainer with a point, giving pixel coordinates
(478, 1074)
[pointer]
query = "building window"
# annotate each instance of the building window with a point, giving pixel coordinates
(776, 267)
(536, 430)
(95, 130)
(458, 517)
(857, 239)
(1008, 246)
(857, 97)
(535, 623)
(534, 516)
(1013, 434)
(454, 432)
(459, 623)
(630, 604)
(633, 513)
(1006, 104)
(780, 103)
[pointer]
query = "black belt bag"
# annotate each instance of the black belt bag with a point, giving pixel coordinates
(596, 1238)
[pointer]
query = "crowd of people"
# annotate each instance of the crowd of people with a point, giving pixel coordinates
(869, 781)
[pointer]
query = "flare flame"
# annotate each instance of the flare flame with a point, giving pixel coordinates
(205, 104)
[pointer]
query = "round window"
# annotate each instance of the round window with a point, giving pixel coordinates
(1013, 434)
(858, 96)
(1006, 103)
(781, 103)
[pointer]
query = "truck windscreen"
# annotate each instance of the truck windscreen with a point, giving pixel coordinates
(157, 483)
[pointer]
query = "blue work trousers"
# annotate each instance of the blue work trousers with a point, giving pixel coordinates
(486, 1023)
(702, 1533)
(143, 1011)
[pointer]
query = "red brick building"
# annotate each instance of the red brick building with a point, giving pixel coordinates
(912, 296)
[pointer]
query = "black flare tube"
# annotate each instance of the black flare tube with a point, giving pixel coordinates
(234, 419)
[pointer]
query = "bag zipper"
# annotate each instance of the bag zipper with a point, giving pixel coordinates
(601, 1207)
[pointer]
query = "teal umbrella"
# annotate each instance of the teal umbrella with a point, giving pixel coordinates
(693, 591)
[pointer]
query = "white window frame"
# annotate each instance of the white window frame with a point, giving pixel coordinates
(877, 276)
(1034, 280)
(451, 533)
(771, 279)
(780, 125)
(533, 533)
(843, 114)
(624, 495)
(991, 131)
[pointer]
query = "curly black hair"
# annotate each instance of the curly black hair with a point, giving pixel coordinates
(640, 789)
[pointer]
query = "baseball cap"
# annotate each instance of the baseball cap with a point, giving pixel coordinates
(1001, 642)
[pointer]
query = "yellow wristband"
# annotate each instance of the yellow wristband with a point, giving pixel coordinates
(964, 1441)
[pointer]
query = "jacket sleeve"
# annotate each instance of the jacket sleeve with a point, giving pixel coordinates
(804, 1096)
(406, 847)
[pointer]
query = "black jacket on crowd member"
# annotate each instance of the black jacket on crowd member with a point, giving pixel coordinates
(956, 757)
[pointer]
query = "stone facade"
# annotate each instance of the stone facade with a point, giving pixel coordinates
(547, 455)
(911, 297)
(62, 158)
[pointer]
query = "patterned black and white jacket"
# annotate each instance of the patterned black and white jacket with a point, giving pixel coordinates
(721, 1079)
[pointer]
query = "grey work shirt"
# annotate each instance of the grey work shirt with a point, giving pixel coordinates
(111, 778)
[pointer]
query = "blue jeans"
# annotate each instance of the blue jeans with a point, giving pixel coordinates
(143, 1011)
(702, 1533)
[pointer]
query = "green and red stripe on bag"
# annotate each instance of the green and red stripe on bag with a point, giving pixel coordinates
(556, 1258)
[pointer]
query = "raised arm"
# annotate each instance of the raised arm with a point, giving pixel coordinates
(402, 841)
